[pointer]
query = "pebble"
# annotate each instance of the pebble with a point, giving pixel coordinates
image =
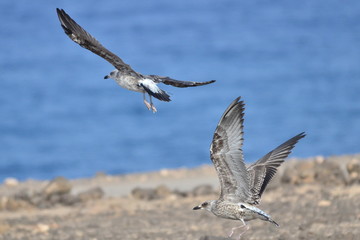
(91, 194)
(59, 185)
(324, 203)
(43, 227)
(11, 182)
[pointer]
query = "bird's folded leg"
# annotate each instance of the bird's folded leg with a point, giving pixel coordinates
(147, 104)
(233, 230)
(247, 227)
(153, 108)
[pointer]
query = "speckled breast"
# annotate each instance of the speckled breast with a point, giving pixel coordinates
(129, 82)
(228, 210)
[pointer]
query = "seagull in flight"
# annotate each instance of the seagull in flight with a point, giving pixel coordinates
(241, 185)
(124, 75)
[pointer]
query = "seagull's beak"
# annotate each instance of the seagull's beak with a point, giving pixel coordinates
(106, 77)
(197, 207)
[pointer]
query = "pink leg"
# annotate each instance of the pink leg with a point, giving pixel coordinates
(233, 229)
(147, 104)
(153, 108)
(247, 227)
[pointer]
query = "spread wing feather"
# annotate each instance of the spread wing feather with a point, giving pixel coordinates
(262, 171)
(178, 83)
(227, 156)
(76, 33)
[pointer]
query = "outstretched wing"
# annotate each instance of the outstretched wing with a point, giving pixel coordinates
(227, 156)
(177, 83)
(85, 40)
(262, 171)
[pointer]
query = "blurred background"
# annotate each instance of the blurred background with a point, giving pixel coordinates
(296, 65)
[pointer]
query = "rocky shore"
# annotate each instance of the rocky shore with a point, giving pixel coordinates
(315, 198)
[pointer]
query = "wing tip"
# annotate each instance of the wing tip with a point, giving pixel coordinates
(237, 102)
(236, 107)
(298, 137)
(63, 18)
(208, 82)
(61, 12)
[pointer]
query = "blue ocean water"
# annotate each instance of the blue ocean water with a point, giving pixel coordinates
(296, 65)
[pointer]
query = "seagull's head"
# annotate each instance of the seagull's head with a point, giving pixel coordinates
(205, 205)
(111, 75)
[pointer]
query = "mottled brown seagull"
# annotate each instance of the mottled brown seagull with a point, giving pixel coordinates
(241, 186)
(124, 75)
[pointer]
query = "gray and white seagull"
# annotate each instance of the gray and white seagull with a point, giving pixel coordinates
(124, 75)
(241, 186)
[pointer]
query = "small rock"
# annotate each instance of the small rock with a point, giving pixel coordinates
(12, 204)
(91, 194)
(319, 159)
(150, 194)
(162, 191)
(353, 165)
(11, 182)
(37, 199)
(177, 193)
(353, 168)
(324, 203)
(79, 233)
(42, 227)
(59, 185)
(68, 199)
(23, 194)
(164, 172)
(143, 193)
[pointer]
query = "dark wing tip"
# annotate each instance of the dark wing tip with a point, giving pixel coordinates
(297, 137)
(275, 223)
(236, 102)
(60, 12)
(203, 83)
(63, 18)
(179, 83)
(301, 135)
(236, 107)
(207, 82)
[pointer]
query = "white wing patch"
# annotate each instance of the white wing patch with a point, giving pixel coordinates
(148, 83)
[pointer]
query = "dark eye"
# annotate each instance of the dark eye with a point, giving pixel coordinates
(204, 204)
(242, 206)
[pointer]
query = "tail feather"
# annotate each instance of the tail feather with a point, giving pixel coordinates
(273, 222)
(159, 93)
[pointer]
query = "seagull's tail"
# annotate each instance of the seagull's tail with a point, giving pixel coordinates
(273, 222)
(153, 90)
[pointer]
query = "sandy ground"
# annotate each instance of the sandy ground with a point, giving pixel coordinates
(316, 198)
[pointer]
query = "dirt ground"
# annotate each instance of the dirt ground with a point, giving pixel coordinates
(316, 198)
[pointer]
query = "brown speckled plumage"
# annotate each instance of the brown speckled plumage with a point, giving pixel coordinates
(241, 186)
